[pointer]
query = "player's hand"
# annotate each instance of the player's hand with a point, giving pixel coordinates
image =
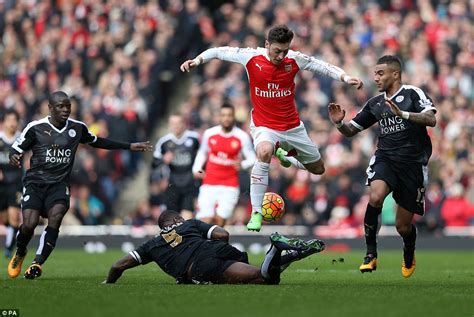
(15, 160)
(393, 107)
(199, 174)
(168, 157)
(141, 146)
(336, 113)
(238, 164)
(188, 65)
(354, 81)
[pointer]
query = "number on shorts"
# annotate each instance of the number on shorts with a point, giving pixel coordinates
(420, 197)
(172, 238)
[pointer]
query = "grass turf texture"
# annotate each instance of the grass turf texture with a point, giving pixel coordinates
(321, 285)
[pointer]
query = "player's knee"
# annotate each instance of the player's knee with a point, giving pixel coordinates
(403, 229)
(28, 227)
(55, 220)
(264, 152)
(376, 200)
(318, 169)
(29, 224)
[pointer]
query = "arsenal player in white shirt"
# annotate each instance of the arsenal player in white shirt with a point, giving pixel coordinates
(221, 150)
(276, 127)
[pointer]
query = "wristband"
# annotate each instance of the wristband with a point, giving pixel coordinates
(346, 78)
(197, 61)
(405, 115)
(339, 124)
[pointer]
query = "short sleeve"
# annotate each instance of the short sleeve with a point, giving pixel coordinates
(421, 101)
(86, 135)
(364, 119)
(204, 228)
(142, 254)
(25, 141)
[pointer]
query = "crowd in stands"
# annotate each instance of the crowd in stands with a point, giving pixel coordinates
(119, 60)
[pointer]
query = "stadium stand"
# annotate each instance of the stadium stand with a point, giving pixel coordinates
(119, 61)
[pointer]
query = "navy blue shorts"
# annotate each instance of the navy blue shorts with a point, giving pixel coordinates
(213, 258)
(407, 181)
(10, 196)
(44, 197)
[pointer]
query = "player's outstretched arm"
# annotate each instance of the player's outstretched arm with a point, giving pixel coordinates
(337, 114)
(108, 144)
(224, 53)
(141, 146)
(352, 81)
(190, 64)
(125, 263)
(327, 69)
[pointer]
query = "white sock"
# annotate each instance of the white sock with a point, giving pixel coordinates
(295, 162)
(267, 260)
(258, 184)
(9, 236)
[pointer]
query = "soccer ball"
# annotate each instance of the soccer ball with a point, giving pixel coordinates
(273, 207)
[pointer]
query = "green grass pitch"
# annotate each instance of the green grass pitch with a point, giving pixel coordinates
(318, 286)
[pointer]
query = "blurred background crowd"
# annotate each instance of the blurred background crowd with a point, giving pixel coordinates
(119, 60)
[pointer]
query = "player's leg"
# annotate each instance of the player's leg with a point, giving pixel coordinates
(378, 191)
(25, 233)
(314, 246)
(172, 198)
(300, 151)
(274, 263)
(56, 205)
(270, 268)
(381, 179)
(14, 216)
(4, 221)
(259, 183)
(188, 200)
(14, 219)
(316, 168)
(206, 203)
(406, 229)
(227, 198)
(243, 273)
(47, 240)
(409, 197)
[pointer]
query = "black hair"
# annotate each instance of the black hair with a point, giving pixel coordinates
(391, 60)
(56, 96)
(280, 34)
(166, 217)
(227, 105)
(11, 111)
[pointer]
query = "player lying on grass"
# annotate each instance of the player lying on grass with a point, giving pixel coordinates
(195, 252)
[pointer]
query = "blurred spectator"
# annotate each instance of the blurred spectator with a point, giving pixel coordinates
(456, 209)
(87, 208)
